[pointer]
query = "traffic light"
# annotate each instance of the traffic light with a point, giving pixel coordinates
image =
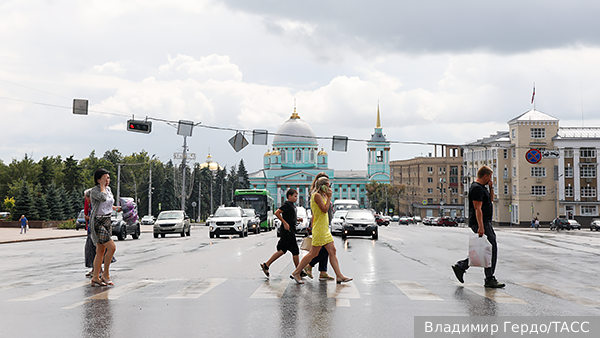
(139, 126)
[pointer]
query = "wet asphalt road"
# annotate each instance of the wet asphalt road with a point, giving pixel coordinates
(201, 287)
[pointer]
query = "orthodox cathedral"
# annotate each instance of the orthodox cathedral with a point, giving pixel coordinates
(295, 159)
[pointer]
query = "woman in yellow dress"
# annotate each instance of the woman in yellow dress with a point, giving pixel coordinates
(320, 200)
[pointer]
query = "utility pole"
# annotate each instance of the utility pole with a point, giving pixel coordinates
(150, 191)
(118, 184)
(183, 173)
(199, 199)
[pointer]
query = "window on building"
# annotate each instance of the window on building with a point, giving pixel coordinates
(588, 191)
(282, 151)
(587, 171)
(587, 152)
(589, 210)
(430, 190)
(429, 179)
(454, 190)
(453, 179)
(513, 133)
(344, 190)
(429, 200)
(538, 132)
(569, 191)
(505, 189)
(514, 189)
(505, 172)
(379, 156)
(362, 202)
(430, 170)
(442, 170)
(505, 153)
(514, 171)
(298, 156)
(568, 152)
(538, 190)
(568, 172)
(312, 156)
(353, 190)
(538, 171)
(454, 201)
(454, 171)
(514, 152)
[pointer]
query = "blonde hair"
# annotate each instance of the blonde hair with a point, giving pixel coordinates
(314, 182)
(319, 183)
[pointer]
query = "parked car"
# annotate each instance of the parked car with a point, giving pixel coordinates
(573, 224)
(147, 220)
(228, 221)
(172, 222)
(427, 220)
(417, 219)
(459, 220)
(447, 222)
(380, 220)
(359, 222)
(595, 225)
(80, 223)
(395, 218)
(336, 226)
(121, 229)
(301, 226)
(560, 223)
(253, 221)
(404, 220)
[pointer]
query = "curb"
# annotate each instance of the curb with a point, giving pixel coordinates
(38, 239)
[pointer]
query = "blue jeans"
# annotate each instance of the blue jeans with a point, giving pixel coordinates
(491, 236)
(321, 259)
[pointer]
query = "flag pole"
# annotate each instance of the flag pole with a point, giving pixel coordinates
(533, 96)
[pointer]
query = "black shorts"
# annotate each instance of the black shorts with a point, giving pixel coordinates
(288, 243)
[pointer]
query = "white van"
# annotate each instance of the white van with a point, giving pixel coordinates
(345, 205)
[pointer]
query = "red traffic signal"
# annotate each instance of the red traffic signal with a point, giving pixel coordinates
(139, 126)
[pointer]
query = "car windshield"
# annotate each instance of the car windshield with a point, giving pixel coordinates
(170, 215)
(81, 215)
(227, 213)
(359, 215)
(147, 217)
(249, 212)
(340, 214)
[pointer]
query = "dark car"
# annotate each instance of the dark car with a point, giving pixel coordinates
(359, 222)
(253, 221)
(380, 220)
(595, 225)
(459, 220)
(80, 223)
(447, 222)
(560, 224)
(121, 229)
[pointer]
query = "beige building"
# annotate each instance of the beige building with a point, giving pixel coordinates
(540, 170)
(432, 184)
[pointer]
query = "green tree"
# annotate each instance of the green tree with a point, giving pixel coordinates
(50, 171)
(53, 199)
(26, 169)
(65, 200)
(76, 199)
(167, 195)
(39, 207)
(72, 174)
(243, 174)
(22, 202)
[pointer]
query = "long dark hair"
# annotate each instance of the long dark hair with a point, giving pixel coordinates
(99, 173)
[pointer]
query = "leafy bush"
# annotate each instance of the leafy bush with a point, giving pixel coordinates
(70, 224)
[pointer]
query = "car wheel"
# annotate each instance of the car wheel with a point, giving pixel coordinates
(217, 235)
(257, 231)
(163, 235)
(137, 232)
(211, 235)
(123, 233)
(182, 232)
(155, 235)
(242, 234)
(189, 232)
(344, 236)
(376, 235)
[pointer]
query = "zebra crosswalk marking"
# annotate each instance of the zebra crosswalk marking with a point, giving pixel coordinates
(347, 290)
(342, 302)
(51, 292)
(561, 294)
(493, 294)
(117, 292)
(197, 289)
(272, 288)
(415, 291)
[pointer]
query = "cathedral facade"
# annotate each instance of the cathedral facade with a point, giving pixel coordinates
(295, 159)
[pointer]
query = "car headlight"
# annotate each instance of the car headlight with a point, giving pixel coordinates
(238, 222)
(211, 228)
(240, 228)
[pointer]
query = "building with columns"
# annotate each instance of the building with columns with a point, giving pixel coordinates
(295, 159)
(561, 182)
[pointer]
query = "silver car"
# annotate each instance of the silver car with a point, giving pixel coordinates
(172, 222)
(337, 222)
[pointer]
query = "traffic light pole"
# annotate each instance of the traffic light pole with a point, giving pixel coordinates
(183, 174)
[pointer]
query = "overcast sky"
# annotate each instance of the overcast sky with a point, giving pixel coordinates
(442, 71)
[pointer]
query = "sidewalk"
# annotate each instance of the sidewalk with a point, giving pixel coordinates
(12, 235)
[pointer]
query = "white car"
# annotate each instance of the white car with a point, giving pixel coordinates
(147, 220)
(337, 222)
(302, 226)
(228, 221)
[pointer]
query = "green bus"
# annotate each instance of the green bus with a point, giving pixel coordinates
(261, 201)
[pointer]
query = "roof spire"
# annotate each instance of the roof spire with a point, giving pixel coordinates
(295, 115)
(378, 119)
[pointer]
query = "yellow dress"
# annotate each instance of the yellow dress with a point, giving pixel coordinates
(320, 232)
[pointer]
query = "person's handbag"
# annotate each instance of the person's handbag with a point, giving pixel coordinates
(306, 244)
(480, 251)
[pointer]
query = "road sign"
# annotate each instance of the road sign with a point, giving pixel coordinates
(424, 202)
(550, 154)
(533, 156)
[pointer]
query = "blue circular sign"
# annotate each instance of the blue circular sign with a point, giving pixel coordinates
(533, 156)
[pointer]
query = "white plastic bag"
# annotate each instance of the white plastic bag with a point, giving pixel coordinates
(480, 251)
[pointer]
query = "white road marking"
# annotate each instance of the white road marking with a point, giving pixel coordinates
(117, 292)
(197, 289)
(346, 290)
(415, 291)
(272, 288)
(561, 294)
(51, 292)
(342, 302)
(494, 294)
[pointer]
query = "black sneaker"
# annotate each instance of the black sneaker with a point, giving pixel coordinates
(493, 283)
(458, 272)
(303, 274)
(265, 269)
